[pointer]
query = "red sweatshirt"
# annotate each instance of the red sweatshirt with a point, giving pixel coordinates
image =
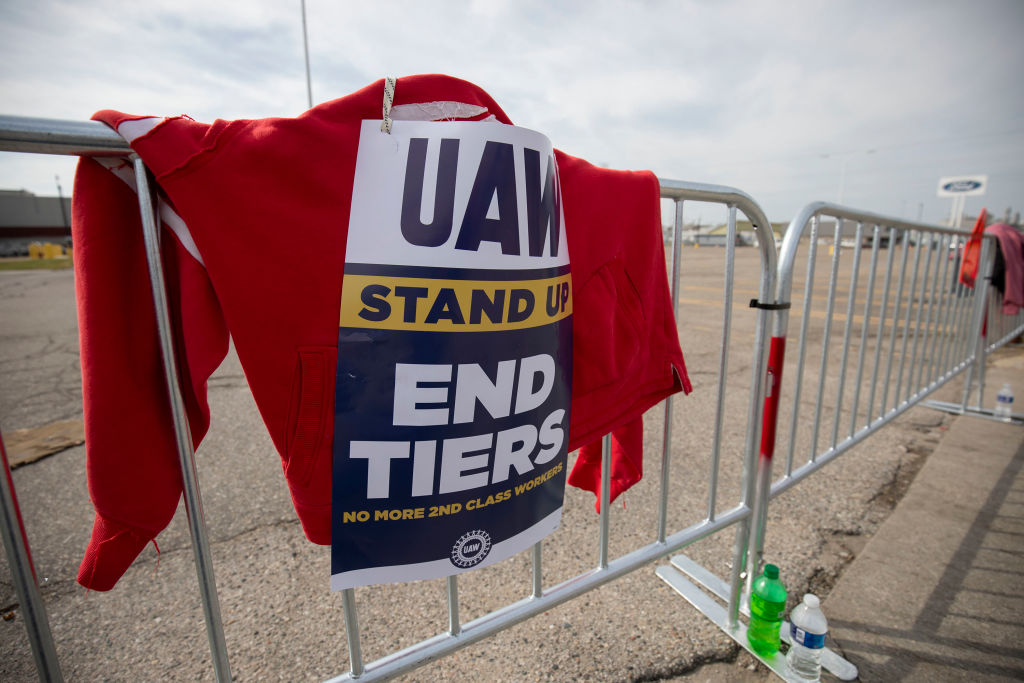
(254, 216)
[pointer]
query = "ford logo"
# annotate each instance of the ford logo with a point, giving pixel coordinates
(961, 186)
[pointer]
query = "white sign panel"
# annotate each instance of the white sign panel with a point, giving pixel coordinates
(963, 185)
(454, 353)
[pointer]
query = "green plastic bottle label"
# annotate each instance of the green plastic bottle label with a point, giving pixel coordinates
(765, 609)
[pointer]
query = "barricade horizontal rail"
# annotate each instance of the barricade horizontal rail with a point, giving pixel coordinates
(59, 136)
(93, 139)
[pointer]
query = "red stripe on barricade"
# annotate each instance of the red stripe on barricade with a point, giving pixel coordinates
(776, 354)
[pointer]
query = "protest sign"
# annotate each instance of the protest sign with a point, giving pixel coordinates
(454, 353)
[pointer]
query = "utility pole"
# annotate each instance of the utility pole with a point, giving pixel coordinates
(60, 200)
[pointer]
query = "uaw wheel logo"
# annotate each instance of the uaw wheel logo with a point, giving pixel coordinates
(471, 548)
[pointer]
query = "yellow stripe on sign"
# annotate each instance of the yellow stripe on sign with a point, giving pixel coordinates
(411, 303)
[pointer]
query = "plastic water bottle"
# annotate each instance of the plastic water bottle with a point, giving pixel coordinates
(1004, 403)
(807, 629)
(767, 605)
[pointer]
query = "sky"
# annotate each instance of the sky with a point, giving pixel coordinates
(861, 102)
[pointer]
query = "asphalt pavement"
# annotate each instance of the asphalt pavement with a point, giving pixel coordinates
(914, 540)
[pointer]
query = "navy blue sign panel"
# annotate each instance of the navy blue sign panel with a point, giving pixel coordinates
(454, 354)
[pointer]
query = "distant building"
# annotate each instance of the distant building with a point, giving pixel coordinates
(27, 218)
(745, 235)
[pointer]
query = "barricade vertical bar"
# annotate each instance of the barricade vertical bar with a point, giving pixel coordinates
(33, 611)
(972, 366)
(183, 437)
(355, 650)
(757, 488)
(770, 413)
(851, 302)
(993, 329)
(997, 322)
(924, 311)
(957, 350)
(967, 341)
(891, 355)
(953, 333)
(737, 573)
(868, 304)
(911, 385)
(830, 310)
(763, 480)
(741, 557)
(723, 364)
(979, 358)
(879, 338)
(951, 353)
(606, 488)
(938, 345)
(802, 343)
(991, 315)
(666, 437)
(935, 245)
(943, 305)
(454, 625)
(938, 331)
(538, 576)
(978, 322)
(897, 397)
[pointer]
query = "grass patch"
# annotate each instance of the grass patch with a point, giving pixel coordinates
(35, 264)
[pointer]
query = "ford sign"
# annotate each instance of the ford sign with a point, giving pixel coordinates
(962, 185)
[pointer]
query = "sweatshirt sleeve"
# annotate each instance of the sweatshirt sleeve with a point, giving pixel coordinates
(626, 352)
(132, 462)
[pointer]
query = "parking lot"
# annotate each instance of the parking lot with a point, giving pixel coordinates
(281, 620)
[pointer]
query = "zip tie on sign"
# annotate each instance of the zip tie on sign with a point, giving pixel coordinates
(389, 99)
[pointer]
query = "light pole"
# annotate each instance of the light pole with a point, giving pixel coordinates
(305, 45)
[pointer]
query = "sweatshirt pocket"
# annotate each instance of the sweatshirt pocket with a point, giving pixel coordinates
(608, 317)
(308, 411)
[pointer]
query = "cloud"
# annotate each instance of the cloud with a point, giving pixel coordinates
(775, 98)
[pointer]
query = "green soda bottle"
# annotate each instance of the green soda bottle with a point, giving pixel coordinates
(767, 605)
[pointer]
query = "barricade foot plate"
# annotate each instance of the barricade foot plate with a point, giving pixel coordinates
(681, 575)
(973, 411)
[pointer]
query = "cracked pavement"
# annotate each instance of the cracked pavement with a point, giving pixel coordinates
(281, 621)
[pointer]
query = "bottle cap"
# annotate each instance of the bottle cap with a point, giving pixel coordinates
(771, 571)
(812, 601)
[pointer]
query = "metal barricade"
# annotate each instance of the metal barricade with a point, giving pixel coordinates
(908, 326)
(63, 137)
(911, 323)
(883, 326)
